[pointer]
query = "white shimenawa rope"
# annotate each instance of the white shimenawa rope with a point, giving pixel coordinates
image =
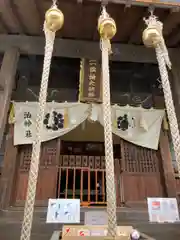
(34, 166)
(109, 158)
(164, 62)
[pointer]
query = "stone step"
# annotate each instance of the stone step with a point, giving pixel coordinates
(9, 231)
(10, 224)
(123, 214)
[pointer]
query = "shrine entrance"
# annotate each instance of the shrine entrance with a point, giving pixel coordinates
(70, 167)
(74, 167)
(83, 178)
(82, 172)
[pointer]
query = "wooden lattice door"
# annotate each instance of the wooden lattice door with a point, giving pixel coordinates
(141, 174)
(48, 169)
(79, 177)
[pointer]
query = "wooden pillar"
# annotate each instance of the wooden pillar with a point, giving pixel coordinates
(175, 83)
(168, 170)
(8, 170)
(7, 81)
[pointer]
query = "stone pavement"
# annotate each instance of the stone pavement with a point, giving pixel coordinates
(10, 224)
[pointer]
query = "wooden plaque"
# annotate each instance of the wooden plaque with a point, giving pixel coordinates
(90, 81)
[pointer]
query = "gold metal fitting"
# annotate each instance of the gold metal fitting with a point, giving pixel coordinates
(106, 25)
(151, 37)
(54, 19)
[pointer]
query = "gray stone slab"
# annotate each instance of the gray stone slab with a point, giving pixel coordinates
(56, 235)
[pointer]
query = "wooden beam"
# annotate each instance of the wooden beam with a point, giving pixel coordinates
(7, 79)
(8, 16)
(77, 49)
(158, 4)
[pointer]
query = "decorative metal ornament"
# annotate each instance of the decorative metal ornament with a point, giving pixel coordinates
(54, 19)
(152, 35)
(106, 25)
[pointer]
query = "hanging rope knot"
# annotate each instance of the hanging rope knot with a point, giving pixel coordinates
(153, 22)
(54, 3)
(153, 36)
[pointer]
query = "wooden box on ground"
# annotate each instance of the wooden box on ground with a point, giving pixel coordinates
(82, 232)
(94, 231)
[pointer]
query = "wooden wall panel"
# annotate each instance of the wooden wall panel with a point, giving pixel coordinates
(140, 186)
(48, 171)
(168, 171)
(9, 168)
(177, 180)
(141, 173)
(46, 187)
(21, 187)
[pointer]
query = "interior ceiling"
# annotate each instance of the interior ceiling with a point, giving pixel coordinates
(27, 17)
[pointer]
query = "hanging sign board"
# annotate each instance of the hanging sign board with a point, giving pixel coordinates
(90, 81)
(96, 218)
(63, 211)
(163, 210)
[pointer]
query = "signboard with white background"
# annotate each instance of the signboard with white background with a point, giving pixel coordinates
(96, 218)
(163, 210)
(63, 211)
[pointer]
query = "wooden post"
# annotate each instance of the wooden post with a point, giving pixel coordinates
(175, 83)
(168, 170)
(7, 182)
(7, 81)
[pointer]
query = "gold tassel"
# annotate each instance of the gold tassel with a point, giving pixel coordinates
(66, 118)
(81, 79)
(11, 117)
(165, 123)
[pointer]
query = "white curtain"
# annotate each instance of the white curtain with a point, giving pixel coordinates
(136, 125)
(59, 119)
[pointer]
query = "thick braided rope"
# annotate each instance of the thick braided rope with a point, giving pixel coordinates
(169, 103)
(34, 166)
(110, 183)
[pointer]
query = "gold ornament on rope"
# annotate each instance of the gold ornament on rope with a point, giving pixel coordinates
(54, 20)
(153, 37)
(107, 30)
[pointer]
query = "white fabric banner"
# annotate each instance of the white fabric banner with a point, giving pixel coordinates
(136, 125)
(59, 119)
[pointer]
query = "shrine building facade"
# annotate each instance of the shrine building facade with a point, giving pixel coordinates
(72, 162)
